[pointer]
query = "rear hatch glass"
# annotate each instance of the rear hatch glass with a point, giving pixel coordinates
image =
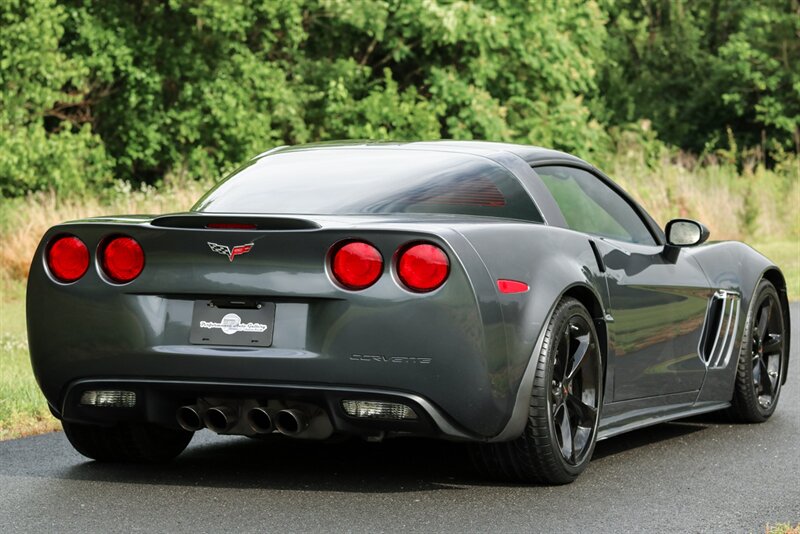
(371, 181)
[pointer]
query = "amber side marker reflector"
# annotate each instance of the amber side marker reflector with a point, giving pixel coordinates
(512, 286)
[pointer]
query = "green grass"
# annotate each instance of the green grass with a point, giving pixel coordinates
(23, 409)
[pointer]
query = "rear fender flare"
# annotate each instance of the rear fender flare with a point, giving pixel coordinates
(520, 412)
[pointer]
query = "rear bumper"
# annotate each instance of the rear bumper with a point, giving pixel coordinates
(157, 401)
(433, 348)
(447, 347)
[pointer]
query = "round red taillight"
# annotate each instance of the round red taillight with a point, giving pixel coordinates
(357, 265)
(122, 259)
(423, 267)
(68, 258)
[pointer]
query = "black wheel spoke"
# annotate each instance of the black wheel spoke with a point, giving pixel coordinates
(557, 404)
(757, 373)
(581, 439)
(763, 320)
(565, 353)
(567, 449)
(765, 383)
(577, 359)
(773, 367)
(773, 344)
(586, 414)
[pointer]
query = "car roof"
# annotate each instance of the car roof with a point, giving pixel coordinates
(488, 149)
(530, 154)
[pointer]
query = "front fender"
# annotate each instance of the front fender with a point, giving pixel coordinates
(734, 266)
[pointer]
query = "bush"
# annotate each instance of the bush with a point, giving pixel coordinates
(144, 88)
(141, 89)
(38, 83)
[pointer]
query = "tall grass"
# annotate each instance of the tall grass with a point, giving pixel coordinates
(782, 528)
(23, 409)
(24, 220)
(753, 204)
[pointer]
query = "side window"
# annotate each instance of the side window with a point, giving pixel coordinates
(590, 206)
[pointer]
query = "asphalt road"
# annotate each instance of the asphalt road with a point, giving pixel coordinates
(698, 475)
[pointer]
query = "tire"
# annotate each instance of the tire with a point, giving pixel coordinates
(129, 442)
(762, 358)
(547, 451)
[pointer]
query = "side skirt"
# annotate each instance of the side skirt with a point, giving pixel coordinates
(627, 416)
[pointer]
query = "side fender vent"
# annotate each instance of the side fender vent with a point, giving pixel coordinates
(719, 332)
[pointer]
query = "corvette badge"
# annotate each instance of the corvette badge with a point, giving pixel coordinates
(230, 252)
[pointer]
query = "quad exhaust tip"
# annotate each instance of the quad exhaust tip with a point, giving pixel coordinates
(291, 422)
(189, 418)
(260, 420)
(220, 419)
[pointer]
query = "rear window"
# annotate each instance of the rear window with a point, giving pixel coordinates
(371, 181)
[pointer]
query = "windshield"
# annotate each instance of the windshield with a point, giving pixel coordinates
(370, 181)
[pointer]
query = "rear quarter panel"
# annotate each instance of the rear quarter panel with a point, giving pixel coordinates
(551, 261)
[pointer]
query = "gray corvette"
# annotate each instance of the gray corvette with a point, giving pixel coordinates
(509, 296)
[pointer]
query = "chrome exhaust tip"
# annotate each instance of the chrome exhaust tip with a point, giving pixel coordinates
(189, 418)
(291, 422)
(220, 419)
(260, 420)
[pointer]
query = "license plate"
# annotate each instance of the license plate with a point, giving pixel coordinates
(251, 327)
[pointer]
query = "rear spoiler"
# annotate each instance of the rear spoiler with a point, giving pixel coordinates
(233, 222)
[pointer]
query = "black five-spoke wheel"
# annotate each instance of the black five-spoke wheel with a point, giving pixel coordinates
(760, 369)
(574, 393)
(767, 350)
(567, 393)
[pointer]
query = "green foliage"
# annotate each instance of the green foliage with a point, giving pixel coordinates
(698, 68)
(140, 89)
(759, 70)
(199, 86)
(39, 83)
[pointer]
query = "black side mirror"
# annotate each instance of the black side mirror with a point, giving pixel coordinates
(686, 233)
